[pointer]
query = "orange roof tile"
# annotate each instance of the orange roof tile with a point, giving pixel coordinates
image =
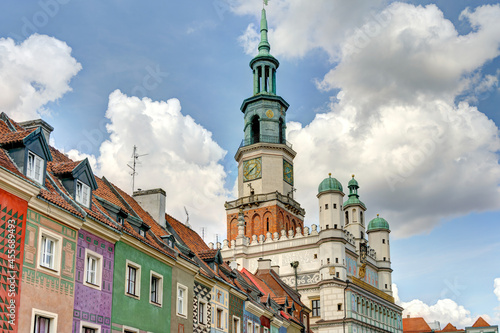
(417, 324)
(61, 168)
(14, 137)
(188, 236)
(449, 328)
(480, 322)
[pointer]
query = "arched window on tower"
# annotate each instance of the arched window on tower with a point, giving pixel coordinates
(346, 217)
(361, 218)
(267, 222)
(255, 130)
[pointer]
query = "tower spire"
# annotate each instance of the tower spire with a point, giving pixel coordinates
(264, 46)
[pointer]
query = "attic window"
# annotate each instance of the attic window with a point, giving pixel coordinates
(82, 194)
(141, 232)
(35, 167)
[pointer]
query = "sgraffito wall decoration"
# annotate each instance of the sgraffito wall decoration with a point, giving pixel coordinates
(12, 229)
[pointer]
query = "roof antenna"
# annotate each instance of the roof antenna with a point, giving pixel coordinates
(135, 162)
(203, 233)
(187, 218)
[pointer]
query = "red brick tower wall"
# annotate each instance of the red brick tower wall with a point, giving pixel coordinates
(260, 221)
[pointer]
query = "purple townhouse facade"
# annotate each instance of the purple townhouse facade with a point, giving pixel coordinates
(93, 283)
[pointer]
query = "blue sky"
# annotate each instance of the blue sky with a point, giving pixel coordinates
(404, 95)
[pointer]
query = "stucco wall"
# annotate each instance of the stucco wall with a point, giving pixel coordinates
(139, 313)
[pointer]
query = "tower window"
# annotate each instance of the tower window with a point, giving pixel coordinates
(337, 274)
(361, 218)
(336, 260)
(384, 258)
(327, 226)
(326, 206)
(334, 206)
(315, 256)
(386, 286)
(383, 241)
(346, 217)
(267, 224)
(334, 226)
(327, 261)
(339, 307)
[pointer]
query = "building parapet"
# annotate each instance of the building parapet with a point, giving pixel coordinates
(256, 199)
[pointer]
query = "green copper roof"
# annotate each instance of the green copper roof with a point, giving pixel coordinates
(329, 184)
(353, 182)
(354, 200)
(264, 46)
(378, 223)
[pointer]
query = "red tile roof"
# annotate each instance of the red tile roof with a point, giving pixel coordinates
(62, 168)
(14, 137)
(188, 236)
(480, 322)
(417, 324)
(450, 328)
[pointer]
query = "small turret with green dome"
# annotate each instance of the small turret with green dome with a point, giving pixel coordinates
(378, 223)
(329, 184)
(353, 194)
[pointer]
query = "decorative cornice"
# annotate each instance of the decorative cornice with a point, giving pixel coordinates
(252, 308)
(47, 209)
(17, 186)
(264, 145)
(238, 294)
(204, 280)
(102, 231)
(138, 245)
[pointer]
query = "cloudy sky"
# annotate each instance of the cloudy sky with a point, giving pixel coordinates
(404, 95)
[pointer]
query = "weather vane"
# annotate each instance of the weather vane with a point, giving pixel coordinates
(265, 3)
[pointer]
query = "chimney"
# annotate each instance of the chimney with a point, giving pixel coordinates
(276, 269)
(154, 202)
(263, 264)
(46, 128)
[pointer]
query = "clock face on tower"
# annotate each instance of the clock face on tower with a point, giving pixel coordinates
(287, 172)
(252, 169)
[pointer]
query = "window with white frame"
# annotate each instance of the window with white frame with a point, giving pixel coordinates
(202, 312)
(82, 194)
(86, 327)
(43, 321)
(220, 317)
(49, 249)
(155, 288)
(93, 269)
(266, 330)
(249, 327)
(130, 330)
(35, 167)
(257, 328)
(182, 294)
(236, 325)
(133, 279)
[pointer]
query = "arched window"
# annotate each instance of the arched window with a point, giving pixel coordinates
(255, 130)
(346, 217)
(267, 222)
(361, 218)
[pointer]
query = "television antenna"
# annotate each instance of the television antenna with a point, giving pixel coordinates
(135, 162)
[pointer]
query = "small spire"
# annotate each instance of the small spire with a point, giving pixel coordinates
(264, 46)
(377, 215)
(352, 175)
(330, 174)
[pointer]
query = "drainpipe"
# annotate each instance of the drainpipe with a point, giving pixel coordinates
(345, 305)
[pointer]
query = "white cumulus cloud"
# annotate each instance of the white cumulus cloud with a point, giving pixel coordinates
(496, 285)
(444, 311)
(182, 157)
(34, 73)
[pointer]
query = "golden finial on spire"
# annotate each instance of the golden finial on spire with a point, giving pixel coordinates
(377, 215)
(329, 174)
(352, 175)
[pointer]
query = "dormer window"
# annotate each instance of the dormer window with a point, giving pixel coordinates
(35, 167)
(82, 194)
